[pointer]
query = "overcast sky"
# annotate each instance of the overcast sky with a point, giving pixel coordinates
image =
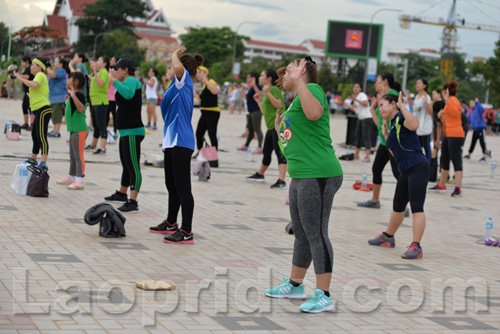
(292, 21)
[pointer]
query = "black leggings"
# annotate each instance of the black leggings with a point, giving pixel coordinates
(112, 111)
(270, 145)
(425, 143)
(39, 131)
(383, 156)
(364, 133)
(254, 120)
(452, 150)
(478, 134)
(177, 166)
(99, 115)
(130, 157)
(208, 121)
(412, 187)
(26, 104)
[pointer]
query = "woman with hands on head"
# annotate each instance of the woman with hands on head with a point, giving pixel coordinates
(404, 144)
(178, 147)
(304, 133)
(210, 111)
(269, 105)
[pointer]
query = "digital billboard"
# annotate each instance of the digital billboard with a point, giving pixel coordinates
(350, 40)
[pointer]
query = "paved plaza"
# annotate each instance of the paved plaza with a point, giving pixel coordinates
(58, 276)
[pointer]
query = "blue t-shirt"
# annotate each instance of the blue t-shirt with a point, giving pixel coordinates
(251, 103)
(404, 144)
(57, 87)
(177, 111)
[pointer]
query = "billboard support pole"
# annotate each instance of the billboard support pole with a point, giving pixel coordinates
(365, 79)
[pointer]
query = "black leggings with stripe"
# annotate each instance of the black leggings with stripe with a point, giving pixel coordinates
(130, 156)
(39, 131)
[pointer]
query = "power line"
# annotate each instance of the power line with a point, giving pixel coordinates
(487, 4)
(470, 3)
(430, 7)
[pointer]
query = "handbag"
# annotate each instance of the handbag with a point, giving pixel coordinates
(39, 183)
(210, 154)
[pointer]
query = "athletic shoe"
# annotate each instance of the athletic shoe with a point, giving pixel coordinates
(286, 290)
(482, 159)
(414, 252)
(242, 148)
(318, 302)
(66, 180)
(148, 132)
(194, 157)
(258, 150)
(244, 135)
(370, 204)
(130, 206)
(91, 128)
(164, 228)
(383, 241)
(147, 126)
(31, 162)
(256, 177)
(76, 185)
(457, 192)
(100, 151)
(367, 159)
(438, 188)
(154, 127)
(25, 126)
(43, 167)
(90, 147)
(466, 157)
(179, 237)
(451, 181)
(30, 128)
(279, 185)
(54, 134)
(117, 197)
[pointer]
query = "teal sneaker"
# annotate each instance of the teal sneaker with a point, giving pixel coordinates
(317, 303)
(286, 290)
(31, 161)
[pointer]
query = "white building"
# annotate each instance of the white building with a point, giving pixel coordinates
(394, 58)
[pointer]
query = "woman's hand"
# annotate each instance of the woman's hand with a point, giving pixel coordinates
(295, 74)
(446, 95)
(180, 51)
(400, 103)
(266, 88)
(278, 120)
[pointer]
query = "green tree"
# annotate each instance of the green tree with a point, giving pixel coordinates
(214, 44)
(122, 43)
(106, 15)
(327, 80)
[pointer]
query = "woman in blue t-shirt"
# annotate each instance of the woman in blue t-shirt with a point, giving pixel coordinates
(57, 93)
(178, 146)
(414, 169)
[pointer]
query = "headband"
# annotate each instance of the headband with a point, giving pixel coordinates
(203, 68)
(40, 63)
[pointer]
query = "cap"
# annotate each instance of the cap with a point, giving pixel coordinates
(124, 63)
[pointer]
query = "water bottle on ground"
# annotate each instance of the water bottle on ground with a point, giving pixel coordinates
(489, 229)
(363, 181)
(348, 151)
(493, 170)
(249, 154)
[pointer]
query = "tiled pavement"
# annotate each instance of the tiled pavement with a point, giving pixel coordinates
(58, 276)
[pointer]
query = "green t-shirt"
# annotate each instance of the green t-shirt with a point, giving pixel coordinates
(268, 110)
(307, 144)
(381, 120)
(76, 120)
(99, 95)
(39, 97)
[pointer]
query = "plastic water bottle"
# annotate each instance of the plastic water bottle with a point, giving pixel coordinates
(9, 127)
(348, 151)
(249, 154)
(493, 170)
(363, 181)
(378, 142)
(23, 179)
(489, 229)
(218, 137)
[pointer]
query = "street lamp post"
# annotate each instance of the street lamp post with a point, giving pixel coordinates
(370, 39)
(5, 40)
(96, 37)
(236, 36)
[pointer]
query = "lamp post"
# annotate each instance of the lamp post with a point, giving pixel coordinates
(370, 38)
(95, 40)
(236, 36)
(5, 40)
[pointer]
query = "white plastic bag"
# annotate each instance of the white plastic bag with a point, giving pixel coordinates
(21, 179)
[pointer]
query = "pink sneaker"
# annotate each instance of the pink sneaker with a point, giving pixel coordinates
(243, 148)
(76, 185)
(66, 180)
(258, 150)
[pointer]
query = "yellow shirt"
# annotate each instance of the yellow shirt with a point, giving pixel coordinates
(39, 97)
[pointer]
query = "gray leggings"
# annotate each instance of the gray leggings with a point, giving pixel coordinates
(76, 147)
(310, 206)
(254, 121)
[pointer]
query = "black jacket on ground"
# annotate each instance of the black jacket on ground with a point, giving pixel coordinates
(111, 222)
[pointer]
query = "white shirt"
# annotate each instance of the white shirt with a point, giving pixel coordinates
(151, 91)
(420, 111)
(361, 111)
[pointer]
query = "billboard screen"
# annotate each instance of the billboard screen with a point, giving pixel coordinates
(350, 40)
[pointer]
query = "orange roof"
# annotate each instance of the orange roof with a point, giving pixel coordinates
(77, 6)
(154, 38)
(318, 44)
(58, 23)
(277, 45)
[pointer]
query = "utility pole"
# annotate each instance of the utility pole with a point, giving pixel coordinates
(10, 42)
